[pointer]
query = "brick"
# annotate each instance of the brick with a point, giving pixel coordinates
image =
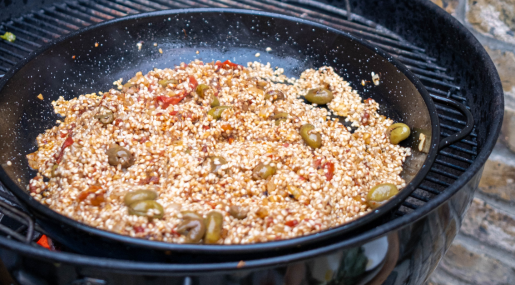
(498, 178)
(471, 267)
(490, 226)
(508, 125)
(493, 18)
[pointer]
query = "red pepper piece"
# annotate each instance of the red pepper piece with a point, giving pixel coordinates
(167, 101)
(227, 65)
(291, 223)
(193, 82)
(46, 242)
(67, 142)
(330, 170)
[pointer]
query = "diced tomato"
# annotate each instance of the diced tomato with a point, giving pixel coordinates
(227, 65)
(67, 142)
(286, 144)
(231, 140)
(291, 223)
(167, 101)
(329, 166)
(205, 127)
(317, 163)
(365, 119)
(193, 82)
(139, 229)
(173, 113)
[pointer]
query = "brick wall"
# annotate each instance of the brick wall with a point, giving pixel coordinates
(483, 253)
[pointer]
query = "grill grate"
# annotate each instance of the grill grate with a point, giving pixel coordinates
(40, 27)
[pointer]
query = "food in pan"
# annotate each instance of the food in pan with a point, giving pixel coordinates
(219, 153)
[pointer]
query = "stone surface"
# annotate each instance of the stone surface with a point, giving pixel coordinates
(490, 226)
(508, 125)
(465, 264)
(505, 64)
(494, 18)
(498, 178)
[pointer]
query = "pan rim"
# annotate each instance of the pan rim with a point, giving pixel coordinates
(238, 248)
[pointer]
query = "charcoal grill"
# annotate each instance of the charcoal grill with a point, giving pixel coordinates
(434, 46)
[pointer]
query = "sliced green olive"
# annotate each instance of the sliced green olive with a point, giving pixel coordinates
(280, 117)
(53, 170)
(194, 229)
(105, 116)
(238, 212)
(139, 195)
(119, 155)
(216, 112)
(201, 90)
(142, 208)
(314, 140)
(191, 215)
(166, 82)
(381, 193)
(215, 102)
(398, 132)
(214, 225)
(263, 171)
(319, 96)
(215, 163)
(274, 95)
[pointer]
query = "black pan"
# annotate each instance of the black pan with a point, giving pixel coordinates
(73, 65)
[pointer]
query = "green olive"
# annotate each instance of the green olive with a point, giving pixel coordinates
(398, 132)
(141, 208)
(314, 140)
(263, 171)
(320, 96)
(165, 82)
(261, 84)
(215, 102)
(216, 112)
(194, 229)
(380, 193)
(201, 90)
(52, 171)
(274, 95)
(238, 212)
(191, 215)
(215, 163)
(280, 117)
(139, 195)
(214, 224)
(105, 116)
(119, 155)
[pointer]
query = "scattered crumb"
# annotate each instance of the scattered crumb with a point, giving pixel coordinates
(422, 143)
(258, 54)
(363, 82)
(198, 52)
(155, 44)
(139, 45)
(96, 44)
(375, 78)
(160, 51)
(73, 57)
(19, 180)
(268, 49)
(40, 96)
(118, 83)
(241, 264)
(10, 163)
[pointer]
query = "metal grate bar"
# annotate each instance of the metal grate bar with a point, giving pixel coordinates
(153, 5)
(56, 21)
(469, 142)
(85, 10)
(429, 189)
(103, 9)
(16, 46)
(448, 164)
(410, 54)
(11, 53)
(39, 22)
(118, 7)
(36, 28)
(63, 16)
(7, 60)
(87, 18)
(417, 70)
(138, 7)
